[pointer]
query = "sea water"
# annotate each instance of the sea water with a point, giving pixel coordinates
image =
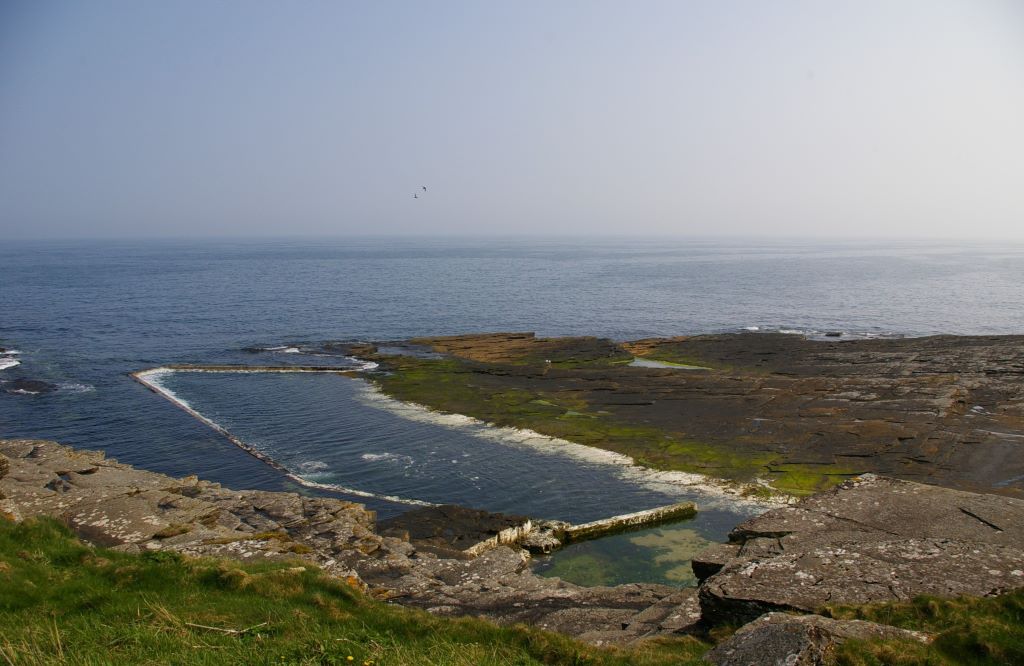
(83, 315)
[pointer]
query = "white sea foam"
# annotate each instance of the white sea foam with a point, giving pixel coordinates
(9, 352)
(363, 365)
(291, 350)
(313, 466)
(8, 363)
(751, 328)
(74, 387)
(710, 491)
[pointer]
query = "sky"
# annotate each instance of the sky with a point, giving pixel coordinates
(138, 118)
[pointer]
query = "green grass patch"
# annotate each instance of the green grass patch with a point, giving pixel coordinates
(985, 632)
(64, 602)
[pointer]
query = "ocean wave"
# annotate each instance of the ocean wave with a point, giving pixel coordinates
(313, 466)
(6, 363)
(710, 492)
(832, 334)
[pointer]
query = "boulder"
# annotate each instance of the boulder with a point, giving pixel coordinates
(792, 640)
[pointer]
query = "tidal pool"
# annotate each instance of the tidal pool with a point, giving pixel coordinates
(659, 554)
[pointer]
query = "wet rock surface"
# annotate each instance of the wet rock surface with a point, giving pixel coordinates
(451, 529)
(23, 386)
(871, 539)
(797, 640)
(115, 505)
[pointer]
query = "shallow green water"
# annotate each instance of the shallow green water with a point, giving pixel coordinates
(658, 555)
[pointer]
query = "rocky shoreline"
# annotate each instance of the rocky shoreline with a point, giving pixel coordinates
(870, 539)
(799, 415)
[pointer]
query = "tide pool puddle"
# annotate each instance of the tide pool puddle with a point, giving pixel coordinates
(651, 363)
(334, 430)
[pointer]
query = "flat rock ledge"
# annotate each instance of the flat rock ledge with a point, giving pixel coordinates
(870, 539)
(110, 504)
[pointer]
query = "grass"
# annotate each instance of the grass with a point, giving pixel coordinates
(983, 632)
(64, 602)
(451, 385)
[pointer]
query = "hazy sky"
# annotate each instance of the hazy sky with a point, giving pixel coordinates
(141, 118)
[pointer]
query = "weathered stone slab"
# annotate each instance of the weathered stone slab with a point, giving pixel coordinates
(791, 640)
(871, 539)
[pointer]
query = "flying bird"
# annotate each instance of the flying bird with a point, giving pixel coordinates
(424, 187)
(415, 195)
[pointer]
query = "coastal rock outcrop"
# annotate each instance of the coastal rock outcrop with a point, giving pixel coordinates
(111, 504)
(115, 505)
(871, 539)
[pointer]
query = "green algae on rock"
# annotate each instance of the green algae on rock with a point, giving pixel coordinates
(771, 412)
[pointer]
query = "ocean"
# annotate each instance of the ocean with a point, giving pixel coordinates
(82, 315)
